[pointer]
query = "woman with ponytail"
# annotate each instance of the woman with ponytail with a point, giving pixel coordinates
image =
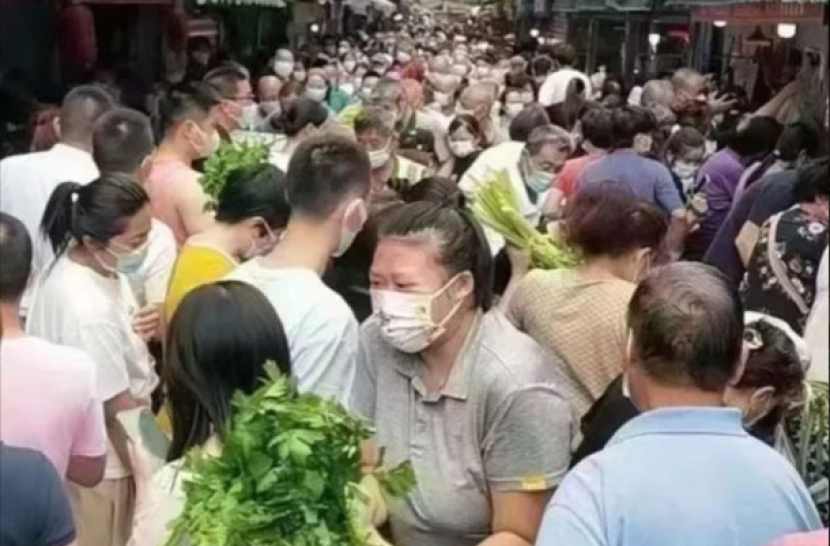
(455, 388)
(99, 233)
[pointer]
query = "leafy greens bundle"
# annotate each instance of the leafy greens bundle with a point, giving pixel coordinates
(496, 206)
(287, 475)
(228, 158)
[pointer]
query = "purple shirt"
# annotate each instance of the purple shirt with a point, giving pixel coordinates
(723, 175)
(649, 180)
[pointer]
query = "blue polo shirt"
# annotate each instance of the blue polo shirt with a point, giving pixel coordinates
(680, 477)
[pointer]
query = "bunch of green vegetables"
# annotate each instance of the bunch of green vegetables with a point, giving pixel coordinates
(228, 158)
(496, 206)
(287, 475)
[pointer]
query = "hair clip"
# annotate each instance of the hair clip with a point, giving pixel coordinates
(753, 339)
(74, 196)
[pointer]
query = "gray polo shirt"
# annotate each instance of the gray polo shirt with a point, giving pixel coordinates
(499, 425)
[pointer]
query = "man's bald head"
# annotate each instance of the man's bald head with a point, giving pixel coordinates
(657, 93)
(477, 97)
(268, 88)
(689, 88)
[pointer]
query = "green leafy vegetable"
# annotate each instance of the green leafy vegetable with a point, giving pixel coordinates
(288, 475)
(228, 158)
(496, 206)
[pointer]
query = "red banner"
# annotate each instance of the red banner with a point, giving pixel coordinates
(756, 14)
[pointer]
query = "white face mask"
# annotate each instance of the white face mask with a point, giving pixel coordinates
(406, 319)
(462, 148)
(378, 159)
(250, 117)
(127, 262)
(513, 109)
(316, 93)
(283, 69)
(685, 172)
(404, 58)
(259, 248)
(443, 99)
(349, 66)
(348, 235)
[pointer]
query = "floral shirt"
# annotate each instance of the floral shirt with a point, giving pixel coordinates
(800, 242)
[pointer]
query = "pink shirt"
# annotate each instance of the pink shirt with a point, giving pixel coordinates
(566, 182)
(48, 401)
(167, 179)
(819, 538)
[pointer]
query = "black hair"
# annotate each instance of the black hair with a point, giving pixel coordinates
(435, 189)
(219, 341)
(541, 65)
(597, 127)
(81, 108)
(463, 244)
(468, 122)
(193, 104)
(225, 78)
(301, 113)
(687, 323)
(16, 257)
(528, 120)
(100, 210)
(122, 139)
(254, 191)
(796, 138)
(757, 138)
(630, 121)
(323, 172)
(574, 101)
(813, 181)
(377, 119)
(564, 54)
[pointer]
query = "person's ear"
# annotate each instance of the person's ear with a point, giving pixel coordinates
(628, 357)
(740, 369)
(56, 126)
(761, 402)
(465, 285)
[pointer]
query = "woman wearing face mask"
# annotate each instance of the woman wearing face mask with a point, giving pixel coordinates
(513, 101)
(100, 235)
(302, 120)
(580, 313)
(685, 153)
(455, 389)
(464, 141)
(300, 74)
(250, 216)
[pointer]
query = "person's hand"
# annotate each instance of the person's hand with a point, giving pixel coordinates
(147, 321)
(719, 103)
(519, 260)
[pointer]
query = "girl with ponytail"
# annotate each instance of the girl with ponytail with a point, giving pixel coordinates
(99, 233)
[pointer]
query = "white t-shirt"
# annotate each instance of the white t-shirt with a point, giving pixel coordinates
(151, 280)
(75, 306)
(26, 184)
(503, 157)
(321, 329)
(817, 334)
(555, 88)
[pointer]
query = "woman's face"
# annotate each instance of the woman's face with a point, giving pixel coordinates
(463, 134)
(412, 265)
(134, 236)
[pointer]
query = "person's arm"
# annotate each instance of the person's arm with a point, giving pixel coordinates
(778, 102)
(516, 518)
(519, 268)
(191, 204)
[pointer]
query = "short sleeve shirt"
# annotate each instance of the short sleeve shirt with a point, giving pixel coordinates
(49, 401)
(649, 180)
(680, 476)
(35, 508)
(499, 425)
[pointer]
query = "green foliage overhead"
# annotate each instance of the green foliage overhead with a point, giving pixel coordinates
(228, 158)
(287, 475)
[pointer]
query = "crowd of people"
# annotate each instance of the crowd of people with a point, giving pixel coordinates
(671, 388)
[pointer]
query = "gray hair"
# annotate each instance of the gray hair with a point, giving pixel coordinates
(687, 326)
(657, 93)
(375, 119)
(549, 135)
(387, 91)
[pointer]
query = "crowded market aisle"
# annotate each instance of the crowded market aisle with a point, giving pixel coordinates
(515, 309)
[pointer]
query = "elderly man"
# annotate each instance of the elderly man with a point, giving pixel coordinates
(685, 471)
(532, 169)
(268, 93)
(477, 101)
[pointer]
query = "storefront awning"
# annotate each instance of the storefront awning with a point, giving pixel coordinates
(730, 3)
(261, 3)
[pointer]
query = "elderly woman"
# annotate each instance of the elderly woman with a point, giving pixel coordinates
(456, 390)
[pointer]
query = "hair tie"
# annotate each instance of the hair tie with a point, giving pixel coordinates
(74, 196)
(753, 339)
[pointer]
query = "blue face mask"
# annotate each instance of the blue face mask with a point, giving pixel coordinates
(540, 182)
(129, 262)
